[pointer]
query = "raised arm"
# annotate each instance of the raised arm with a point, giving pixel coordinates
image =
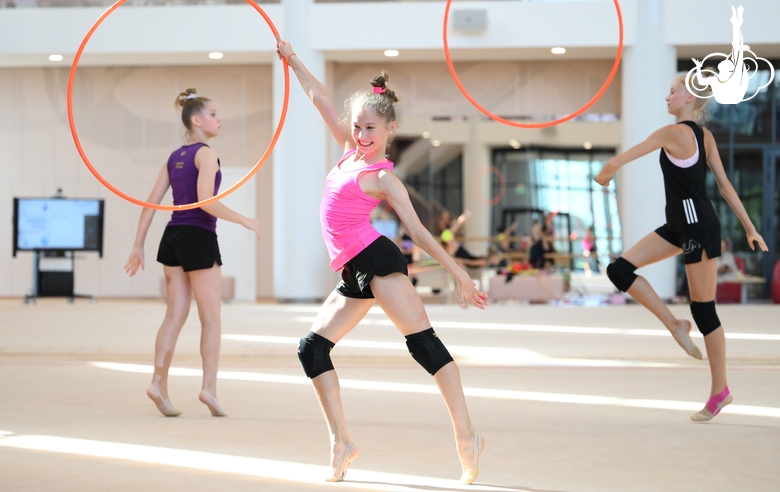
(669, 137)
(208, 165)
(161, 185)
(318, 94)
(729, 193)
(386, 185)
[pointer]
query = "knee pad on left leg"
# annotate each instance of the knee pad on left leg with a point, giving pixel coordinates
(621, 274)
(428, 350)
(705, 317)
(314, 354)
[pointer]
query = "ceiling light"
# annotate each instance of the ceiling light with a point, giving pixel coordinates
(436, 143)
(216, 55)
(587, 145)
(55, 58)
(558, 50)
(391, 53)
(426, 134)
(514, 144)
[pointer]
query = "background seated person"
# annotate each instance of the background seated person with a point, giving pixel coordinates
(541, 244)
(727, 265)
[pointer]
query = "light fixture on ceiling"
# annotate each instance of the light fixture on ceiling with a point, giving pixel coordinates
(216, 55)
(392, 53)
(55, 58)
(514, 144)
(587, 145)
(426, 135)
(436, 143)
(558, 50)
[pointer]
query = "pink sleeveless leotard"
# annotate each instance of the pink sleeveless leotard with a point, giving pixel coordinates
(345, 212)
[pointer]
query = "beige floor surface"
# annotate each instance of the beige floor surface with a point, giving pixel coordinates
(568, 399)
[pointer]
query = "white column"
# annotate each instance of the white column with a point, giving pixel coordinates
(648, 70)
(300, 162)
(476, 187)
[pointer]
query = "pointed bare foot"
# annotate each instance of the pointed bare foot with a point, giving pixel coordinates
(469, 459)
(210, 401)
(682, 334)
(341, 459)
(162, 402)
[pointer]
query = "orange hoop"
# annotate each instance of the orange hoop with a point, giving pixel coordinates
(501, 189)
(495, 117)
(156, 206)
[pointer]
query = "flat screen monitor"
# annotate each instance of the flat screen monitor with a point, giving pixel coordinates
(58, 224)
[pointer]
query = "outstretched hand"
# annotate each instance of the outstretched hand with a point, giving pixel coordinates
(467, 292)
(755, 236)
(135, 261)
(284, 50)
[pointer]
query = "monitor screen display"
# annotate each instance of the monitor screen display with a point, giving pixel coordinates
(388, 228)
(58, 224)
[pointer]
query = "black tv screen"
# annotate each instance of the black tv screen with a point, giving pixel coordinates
(58, 224)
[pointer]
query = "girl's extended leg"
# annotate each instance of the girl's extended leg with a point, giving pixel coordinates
(337, 317)
(652, 249)
(207, 287)
(179, 295)
(703, 280)
(403, 306)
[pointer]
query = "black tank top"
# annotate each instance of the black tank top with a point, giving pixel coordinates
(687, 205)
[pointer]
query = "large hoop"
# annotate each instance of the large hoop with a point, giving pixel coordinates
(546, 124)
(157, 206)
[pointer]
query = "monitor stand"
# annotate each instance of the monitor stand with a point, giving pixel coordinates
(55, 277)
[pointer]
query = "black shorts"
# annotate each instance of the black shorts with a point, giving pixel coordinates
(693, 242)
(380, 258)
(190, 247)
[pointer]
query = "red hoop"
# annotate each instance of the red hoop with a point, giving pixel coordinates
(501, 189)
(156, 206)
(495, 117)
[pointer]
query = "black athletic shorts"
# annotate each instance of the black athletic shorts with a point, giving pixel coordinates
(693, 242)
(380, 258)
(190, 247)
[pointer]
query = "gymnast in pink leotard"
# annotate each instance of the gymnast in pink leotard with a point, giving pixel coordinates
(372, 267)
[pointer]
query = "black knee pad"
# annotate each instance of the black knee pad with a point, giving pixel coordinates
(428, 351)
(705, 317)
(621, 273)
(314, 354)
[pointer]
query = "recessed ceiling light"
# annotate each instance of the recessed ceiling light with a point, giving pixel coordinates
(436, 143)
(558, 50)
(391, 53)
(426, 134)
(587, 145)
(514, 144)
(216, 55)
(55, 57)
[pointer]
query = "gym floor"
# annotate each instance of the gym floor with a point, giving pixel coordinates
(567, 398)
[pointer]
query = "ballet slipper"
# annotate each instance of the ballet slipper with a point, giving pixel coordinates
(349, 456)
(163, 404)
(470, 475)
(683, 337)
(713, 406)
(208, 399)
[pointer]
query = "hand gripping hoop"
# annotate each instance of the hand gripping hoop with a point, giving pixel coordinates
(142, 203)
(546, 124)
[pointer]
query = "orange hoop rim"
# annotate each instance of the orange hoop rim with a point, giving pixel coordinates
(502, 185)
(545, 124)
(157, 206)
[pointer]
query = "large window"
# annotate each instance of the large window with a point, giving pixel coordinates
(559, 181)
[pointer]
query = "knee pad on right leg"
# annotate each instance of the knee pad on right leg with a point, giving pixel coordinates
(621, 273)
(705, 316)
(314, 354)
(428, 350)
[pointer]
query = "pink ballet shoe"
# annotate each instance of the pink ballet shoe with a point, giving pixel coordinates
(713, 407)
(349, 456)
(163, 404)
(208, 399)
(470, 475)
